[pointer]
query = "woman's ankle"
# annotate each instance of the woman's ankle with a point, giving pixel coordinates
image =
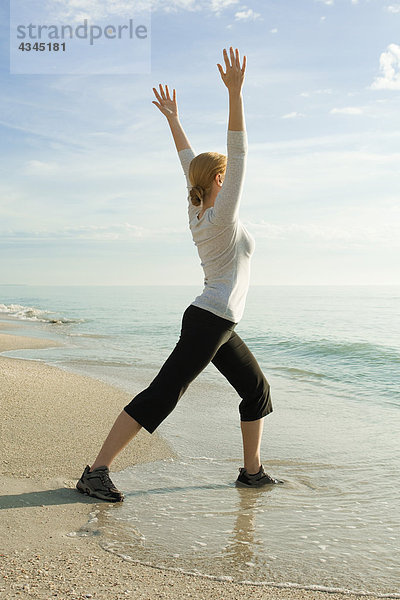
(98, 464)
(253, 468)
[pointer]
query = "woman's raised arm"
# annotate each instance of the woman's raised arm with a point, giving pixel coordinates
(169, 108)
(233, 78)
(226, 206)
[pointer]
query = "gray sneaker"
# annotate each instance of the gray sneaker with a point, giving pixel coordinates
(97, 483)
(257, 480)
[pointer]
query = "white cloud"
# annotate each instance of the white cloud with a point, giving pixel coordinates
(348, 233)
(389, 65)
(274, 30)
(247, 15)
(116, 231)
(347, 177)
(312, 92)
(218, 6)
(348, 110)
(327, 2)
(176, 5)
(292, 115)
(393, 8)
(77, 10)
(37, 167)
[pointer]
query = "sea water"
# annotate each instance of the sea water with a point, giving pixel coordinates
(332, 358)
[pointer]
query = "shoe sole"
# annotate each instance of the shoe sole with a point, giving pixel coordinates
(83, 489)
(255, 485)
(250, 485)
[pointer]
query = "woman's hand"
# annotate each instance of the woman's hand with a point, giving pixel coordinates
(234, 76)
(168, 107)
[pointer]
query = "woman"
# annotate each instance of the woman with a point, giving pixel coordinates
(214, 183)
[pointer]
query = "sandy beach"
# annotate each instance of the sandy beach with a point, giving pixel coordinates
(52, 424)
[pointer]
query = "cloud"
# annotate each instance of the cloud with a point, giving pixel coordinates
(389, 65)
(393, 8)
(312, 92)
(348, 110)
(218, 6)
(347, 177)
(274, 30)
(77, 10)
(38, 132)
(247, 15)
(38, 167)
(117, 231)
(292, 115)
(176, 5)
(347, 234)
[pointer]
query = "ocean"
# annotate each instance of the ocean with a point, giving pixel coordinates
(331, 355)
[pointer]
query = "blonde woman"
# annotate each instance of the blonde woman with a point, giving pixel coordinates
(214, 183)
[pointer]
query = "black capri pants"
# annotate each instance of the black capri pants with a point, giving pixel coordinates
(205, 337)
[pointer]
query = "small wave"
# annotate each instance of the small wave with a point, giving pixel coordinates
(96, 336)
(30, 313)
(300, 373)
(334, 364)
(341, 350)
(396, 404)
(100, 363)
(110, 547)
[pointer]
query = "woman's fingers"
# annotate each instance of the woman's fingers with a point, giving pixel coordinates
(234, 74)
(157, 94)
(237, 58)
(227, 63)
(234, 59)
(164, 96)
(167, 106)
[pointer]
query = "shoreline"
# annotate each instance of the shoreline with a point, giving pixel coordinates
(47, 429)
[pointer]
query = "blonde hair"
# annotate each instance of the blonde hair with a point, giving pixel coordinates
(202, 170)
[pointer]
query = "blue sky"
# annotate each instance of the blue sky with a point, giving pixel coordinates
(91, 188)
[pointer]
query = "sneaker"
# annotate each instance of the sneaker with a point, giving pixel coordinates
(259, 479)
(97, 483)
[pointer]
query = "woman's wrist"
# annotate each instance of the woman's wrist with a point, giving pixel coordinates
(236, 115)
(235, 93)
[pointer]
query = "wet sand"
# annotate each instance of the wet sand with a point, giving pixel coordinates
(52, 424)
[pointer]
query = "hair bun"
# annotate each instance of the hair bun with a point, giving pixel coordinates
(197, 195)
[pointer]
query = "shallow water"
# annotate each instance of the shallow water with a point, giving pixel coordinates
(190, 516)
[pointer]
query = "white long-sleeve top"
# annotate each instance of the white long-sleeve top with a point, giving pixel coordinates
(223, 243)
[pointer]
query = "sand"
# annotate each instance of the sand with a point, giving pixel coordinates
(52, 424)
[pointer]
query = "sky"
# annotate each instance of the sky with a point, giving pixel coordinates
(91, 187)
